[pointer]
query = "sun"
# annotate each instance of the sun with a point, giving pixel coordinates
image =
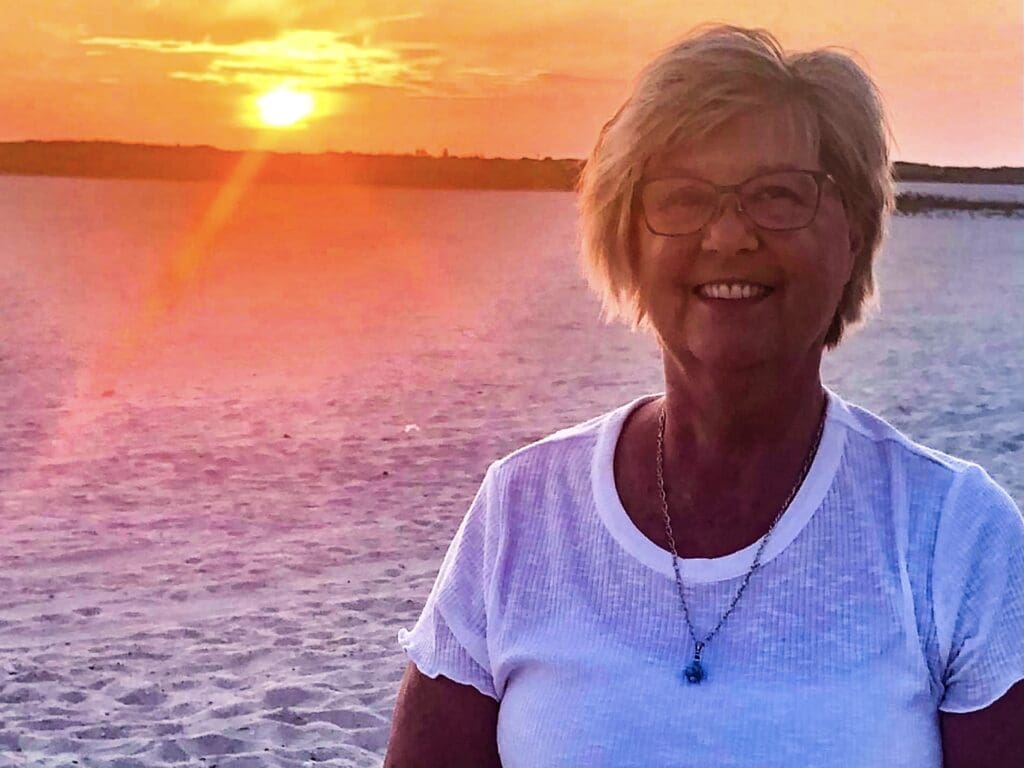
(283, 107)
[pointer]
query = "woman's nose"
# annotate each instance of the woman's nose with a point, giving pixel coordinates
(729, 231)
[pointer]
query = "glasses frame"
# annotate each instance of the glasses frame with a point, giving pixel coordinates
(722, 189)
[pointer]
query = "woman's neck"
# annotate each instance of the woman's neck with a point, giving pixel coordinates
(711, 418)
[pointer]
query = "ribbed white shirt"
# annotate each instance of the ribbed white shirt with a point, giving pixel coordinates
(891, 588)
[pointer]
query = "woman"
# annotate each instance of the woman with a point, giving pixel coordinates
(744, 571)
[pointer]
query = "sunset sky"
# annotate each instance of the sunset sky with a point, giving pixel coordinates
(507, 78)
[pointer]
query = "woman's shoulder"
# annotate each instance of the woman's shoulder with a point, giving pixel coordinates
(566, 449)
(921, 467)
(870, 428)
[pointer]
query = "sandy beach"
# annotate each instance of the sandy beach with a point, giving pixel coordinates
(207, 549)
(238, 605)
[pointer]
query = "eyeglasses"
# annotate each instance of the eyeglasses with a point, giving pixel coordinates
(777, 201)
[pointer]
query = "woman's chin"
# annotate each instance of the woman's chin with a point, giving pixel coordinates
(727, 355)
(730, 362)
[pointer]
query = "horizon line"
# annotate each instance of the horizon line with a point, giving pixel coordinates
(421, 153)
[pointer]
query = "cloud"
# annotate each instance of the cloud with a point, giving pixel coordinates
(315, 59)
(332, 61)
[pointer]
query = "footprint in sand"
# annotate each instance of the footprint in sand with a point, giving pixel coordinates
(346, 622)
(286, 716)
(53, 618)
(232, 710)
(35, 676)
(225, 683)
(49, 724)
(146, 697)
(285, 697)
(20, 696)
(346, 718)
(360, 605)
(170, 752)
(216, 744)
(104, 732)
(372, 740)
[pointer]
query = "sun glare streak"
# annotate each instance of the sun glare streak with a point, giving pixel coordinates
(97, 380)
(172, 283)
(185, 264)
(100, 376)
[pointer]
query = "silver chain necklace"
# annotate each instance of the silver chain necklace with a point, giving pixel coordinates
(695, 671)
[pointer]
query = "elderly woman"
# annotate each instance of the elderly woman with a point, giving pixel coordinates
(744, 570)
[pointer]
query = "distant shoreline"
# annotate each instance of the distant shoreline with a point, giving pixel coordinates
(113, 160)
(116, 160)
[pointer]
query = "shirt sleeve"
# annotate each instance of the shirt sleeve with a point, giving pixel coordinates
(978, 593)
(450, 636)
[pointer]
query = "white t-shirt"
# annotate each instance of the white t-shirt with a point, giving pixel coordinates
(892, 588)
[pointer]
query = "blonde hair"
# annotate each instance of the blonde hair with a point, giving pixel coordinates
(697, 85)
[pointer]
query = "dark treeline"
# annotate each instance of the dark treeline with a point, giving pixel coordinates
(103, 159)
(912, 203)
(958, 175)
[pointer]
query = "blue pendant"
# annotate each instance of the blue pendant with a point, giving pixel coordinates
(695, 672)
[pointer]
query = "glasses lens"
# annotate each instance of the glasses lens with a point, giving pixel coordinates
(785, 200)
(678, 206)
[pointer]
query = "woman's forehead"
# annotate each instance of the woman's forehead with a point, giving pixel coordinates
(745, 144)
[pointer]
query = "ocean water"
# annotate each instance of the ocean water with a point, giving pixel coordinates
(240, 426)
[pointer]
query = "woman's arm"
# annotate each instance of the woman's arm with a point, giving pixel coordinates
(988, 738)
(439, 723)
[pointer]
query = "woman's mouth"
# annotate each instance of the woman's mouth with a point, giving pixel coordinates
(732, 290)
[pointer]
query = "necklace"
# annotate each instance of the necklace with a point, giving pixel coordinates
(695, 671)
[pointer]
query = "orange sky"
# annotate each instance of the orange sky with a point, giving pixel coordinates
(526, 78)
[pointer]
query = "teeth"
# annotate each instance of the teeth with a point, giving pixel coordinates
(732, 290)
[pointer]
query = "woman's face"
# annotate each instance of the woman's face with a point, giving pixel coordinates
(803, 270)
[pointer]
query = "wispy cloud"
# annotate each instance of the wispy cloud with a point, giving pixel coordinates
(353, 60)
(316, 59)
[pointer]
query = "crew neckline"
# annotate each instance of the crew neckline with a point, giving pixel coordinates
(699, 569)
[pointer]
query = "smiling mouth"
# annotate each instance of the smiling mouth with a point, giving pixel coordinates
(732, 290)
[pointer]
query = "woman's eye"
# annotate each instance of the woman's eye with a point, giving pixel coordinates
(775, 193)
(686, 197)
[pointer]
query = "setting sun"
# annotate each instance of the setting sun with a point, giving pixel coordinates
(283, 107)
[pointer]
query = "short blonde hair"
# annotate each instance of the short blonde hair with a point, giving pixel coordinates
(697, 85)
